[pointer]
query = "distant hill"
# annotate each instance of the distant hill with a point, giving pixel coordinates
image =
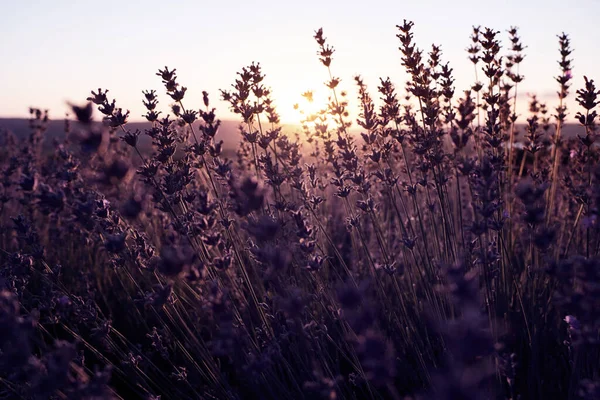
(228, 132)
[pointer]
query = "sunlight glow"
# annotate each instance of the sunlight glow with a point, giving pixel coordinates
(309, 104)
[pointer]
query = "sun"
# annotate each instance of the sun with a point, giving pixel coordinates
(297, 109)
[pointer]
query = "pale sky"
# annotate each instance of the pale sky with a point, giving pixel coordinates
(56, 51)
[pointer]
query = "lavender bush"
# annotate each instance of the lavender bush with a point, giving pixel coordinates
(443, 253)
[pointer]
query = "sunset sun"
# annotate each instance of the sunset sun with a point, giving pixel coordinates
(298, 108)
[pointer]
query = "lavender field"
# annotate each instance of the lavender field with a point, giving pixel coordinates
(437, 245)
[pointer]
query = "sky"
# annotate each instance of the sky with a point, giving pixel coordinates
(56, 51)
